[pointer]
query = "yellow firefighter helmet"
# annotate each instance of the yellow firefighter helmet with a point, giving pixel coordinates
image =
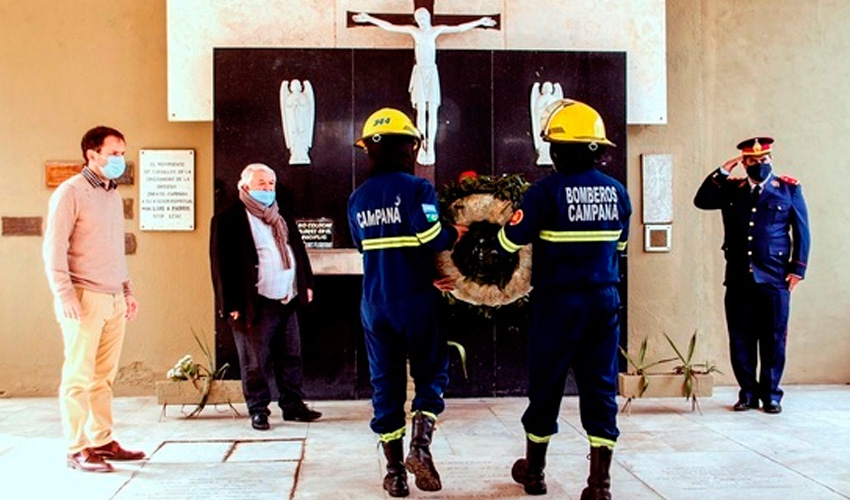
(574, 121)
(387, 121)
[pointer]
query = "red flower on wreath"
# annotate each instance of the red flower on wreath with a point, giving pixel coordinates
(469, 174)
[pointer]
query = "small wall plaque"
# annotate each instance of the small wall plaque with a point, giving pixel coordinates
(657, 237)
(56, 172)
(129, 244)
(317, 233)
(128, 208)
(657, 170)
(22, 226)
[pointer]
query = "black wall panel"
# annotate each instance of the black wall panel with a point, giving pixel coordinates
(484, 125)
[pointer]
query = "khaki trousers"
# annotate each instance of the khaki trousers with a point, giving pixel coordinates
(92, 350)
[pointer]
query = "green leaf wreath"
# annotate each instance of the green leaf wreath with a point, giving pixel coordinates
(487, 279)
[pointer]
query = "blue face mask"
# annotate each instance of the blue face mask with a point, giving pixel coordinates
(264, 197)
(759, 171)
(114, 167)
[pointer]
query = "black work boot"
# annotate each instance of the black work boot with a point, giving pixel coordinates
(599, 480)
(395, 482)
(528, 471)
(419, 461)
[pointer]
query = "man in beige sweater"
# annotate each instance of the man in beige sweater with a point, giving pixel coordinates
(93, 298)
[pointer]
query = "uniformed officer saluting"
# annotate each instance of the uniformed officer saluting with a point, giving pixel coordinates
(766, 244)
(578, 220)
(394, 221)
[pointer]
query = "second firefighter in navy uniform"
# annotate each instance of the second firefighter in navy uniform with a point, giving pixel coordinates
(766, 245)
(395, 223)
(578, 220)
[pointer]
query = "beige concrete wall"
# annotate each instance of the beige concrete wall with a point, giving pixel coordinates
(735, 68)
(739, 68)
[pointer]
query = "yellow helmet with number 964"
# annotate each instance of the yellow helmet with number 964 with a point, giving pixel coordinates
(387, 121)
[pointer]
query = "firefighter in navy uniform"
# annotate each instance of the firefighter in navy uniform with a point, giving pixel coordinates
(578, 220)
(766, 245)
(395, 223)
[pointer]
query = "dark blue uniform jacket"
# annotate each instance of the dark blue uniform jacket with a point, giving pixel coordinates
(394, 221)
(769, 240)
(578, 223)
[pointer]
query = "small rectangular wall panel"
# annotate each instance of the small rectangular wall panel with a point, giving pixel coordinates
(167, 190)
(658, 238)
(195, 27)
(22, 226)
(657, 173)
(57, 172)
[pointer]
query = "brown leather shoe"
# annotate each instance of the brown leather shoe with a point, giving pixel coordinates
(88, 461)
(114, 451)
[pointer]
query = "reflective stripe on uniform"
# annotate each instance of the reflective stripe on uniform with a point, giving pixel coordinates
(432, 416)
(598, 442)
(390, 242)
(391, 436)
(580, 236)
(622, 245)
(538, 439)
(430, 234)
(402, 241)
(507, 244)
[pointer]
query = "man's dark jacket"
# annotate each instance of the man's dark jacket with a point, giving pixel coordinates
(234, 261)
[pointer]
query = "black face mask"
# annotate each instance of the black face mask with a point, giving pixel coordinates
(759, 171)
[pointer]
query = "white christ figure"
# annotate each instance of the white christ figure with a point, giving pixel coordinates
(297, 110)
(425, 80)
(541, 97)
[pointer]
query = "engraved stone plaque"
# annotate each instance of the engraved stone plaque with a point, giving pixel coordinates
(22, 226)
(657, 171)
(56, 172)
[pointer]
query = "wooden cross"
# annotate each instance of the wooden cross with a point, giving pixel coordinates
(447, 19)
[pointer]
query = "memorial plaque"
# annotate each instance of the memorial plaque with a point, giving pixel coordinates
(657, 170)
(22, 226)
(129, 244)
(128, 208)
(167, 190)
(317, 233)
(56, 172)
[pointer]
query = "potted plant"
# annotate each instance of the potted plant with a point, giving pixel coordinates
(686, 379)
(193, 383)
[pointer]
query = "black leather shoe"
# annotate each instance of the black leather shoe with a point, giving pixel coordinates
(260, 421)
(301, 413)
(773, 407)
(743, 405)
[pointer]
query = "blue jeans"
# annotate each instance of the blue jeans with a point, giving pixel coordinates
(582, 330)
(394, 333)
(270, 356)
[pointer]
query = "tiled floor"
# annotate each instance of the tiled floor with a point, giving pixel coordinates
(665, 452)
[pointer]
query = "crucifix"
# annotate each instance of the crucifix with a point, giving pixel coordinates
(424, 86)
